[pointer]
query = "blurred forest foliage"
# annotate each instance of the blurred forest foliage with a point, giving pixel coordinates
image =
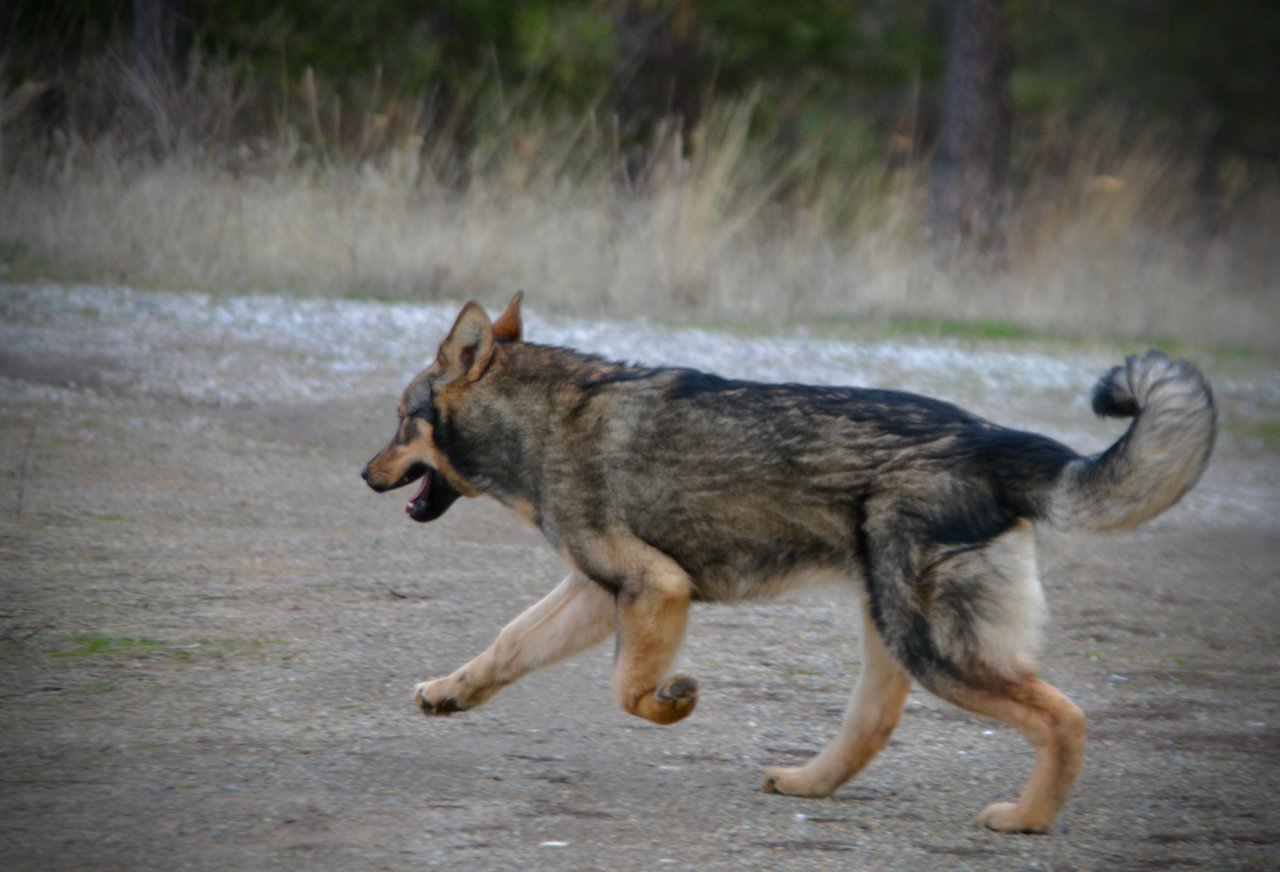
(850, 80)
(1101, 166)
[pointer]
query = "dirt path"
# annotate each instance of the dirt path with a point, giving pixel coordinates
(210, 629)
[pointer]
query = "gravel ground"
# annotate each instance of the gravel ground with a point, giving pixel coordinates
(210, 628)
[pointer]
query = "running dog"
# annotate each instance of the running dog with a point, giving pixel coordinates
(662, 487)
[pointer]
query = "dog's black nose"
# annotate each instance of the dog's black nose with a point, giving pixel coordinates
(364, 473)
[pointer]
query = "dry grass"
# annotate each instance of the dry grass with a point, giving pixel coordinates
(1107, 244)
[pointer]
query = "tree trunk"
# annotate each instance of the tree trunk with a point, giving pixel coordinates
(973, 138)
(159, 38)
(661, 75)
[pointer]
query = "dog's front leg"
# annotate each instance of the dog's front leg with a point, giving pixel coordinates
(575, 616)
(653, 606)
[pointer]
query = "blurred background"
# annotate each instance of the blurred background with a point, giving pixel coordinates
(1089, 169)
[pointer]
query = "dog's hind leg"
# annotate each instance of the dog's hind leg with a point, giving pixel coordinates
(964, 628)
(1054, 726)
(575, 616)
(871, 715)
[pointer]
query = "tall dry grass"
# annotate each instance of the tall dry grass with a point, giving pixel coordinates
(1106, 237)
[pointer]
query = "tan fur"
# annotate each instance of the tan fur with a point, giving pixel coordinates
(508, 327)
(575, 616)
(393, 461)
(525, 511)
(652, 610)
(1054, 726)
(1008, 627)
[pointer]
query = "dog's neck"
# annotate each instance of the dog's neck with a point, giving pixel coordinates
(508, 442)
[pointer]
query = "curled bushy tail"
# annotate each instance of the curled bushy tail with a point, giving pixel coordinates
(1156, 461)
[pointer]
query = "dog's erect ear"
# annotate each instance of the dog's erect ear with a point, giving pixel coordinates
(508, 327)
(466, 353)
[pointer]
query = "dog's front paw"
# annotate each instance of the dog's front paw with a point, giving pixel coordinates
(439, 697)
(678, 696)
(666, 703)
(1005, 817)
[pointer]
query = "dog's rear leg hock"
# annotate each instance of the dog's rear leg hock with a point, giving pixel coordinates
(1055, 727)
(575, 616)
(869, 720)
(652, 611)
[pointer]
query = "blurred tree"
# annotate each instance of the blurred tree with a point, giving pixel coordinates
(831, 81)
(662, 73)
(1207, 73)
(974, 129)
(161, 34)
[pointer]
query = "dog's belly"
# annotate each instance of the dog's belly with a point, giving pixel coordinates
(742, 548)
(733, 584)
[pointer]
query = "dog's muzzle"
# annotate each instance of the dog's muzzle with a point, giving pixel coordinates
(434, 496)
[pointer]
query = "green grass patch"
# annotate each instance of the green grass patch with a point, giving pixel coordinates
(20, 262)
(984, 330)
(875, 328)
(1239, 353)
(104, 647)
(14, 255)
(123, 647)
(1266, 432)
(871, 328)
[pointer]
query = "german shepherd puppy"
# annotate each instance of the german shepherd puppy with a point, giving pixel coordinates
(662, 487)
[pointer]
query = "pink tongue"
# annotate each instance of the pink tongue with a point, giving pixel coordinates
(421, 494)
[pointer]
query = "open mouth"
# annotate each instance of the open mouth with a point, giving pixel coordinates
(434, 496)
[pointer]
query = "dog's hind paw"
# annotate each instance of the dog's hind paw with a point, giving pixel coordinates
(435, 701)
(1005, 817)
(797, 782)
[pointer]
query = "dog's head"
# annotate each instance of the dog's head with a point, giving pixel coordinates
(415, 452)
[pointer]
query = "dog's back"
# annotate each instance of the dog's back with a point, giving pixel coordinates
(751, 486)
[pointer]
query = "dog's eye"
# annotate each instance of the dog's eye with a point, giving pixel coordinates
(424, 411)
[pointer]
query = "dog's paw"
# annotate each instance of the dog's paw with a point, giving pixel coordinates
(681, 690)
(437, 699)
(668, 703)
(679, 695)
(794, 782)
(1005, 817)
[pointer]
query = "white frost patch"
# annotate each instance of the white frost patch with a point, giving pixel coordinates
(203, 348)
(254, 349)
